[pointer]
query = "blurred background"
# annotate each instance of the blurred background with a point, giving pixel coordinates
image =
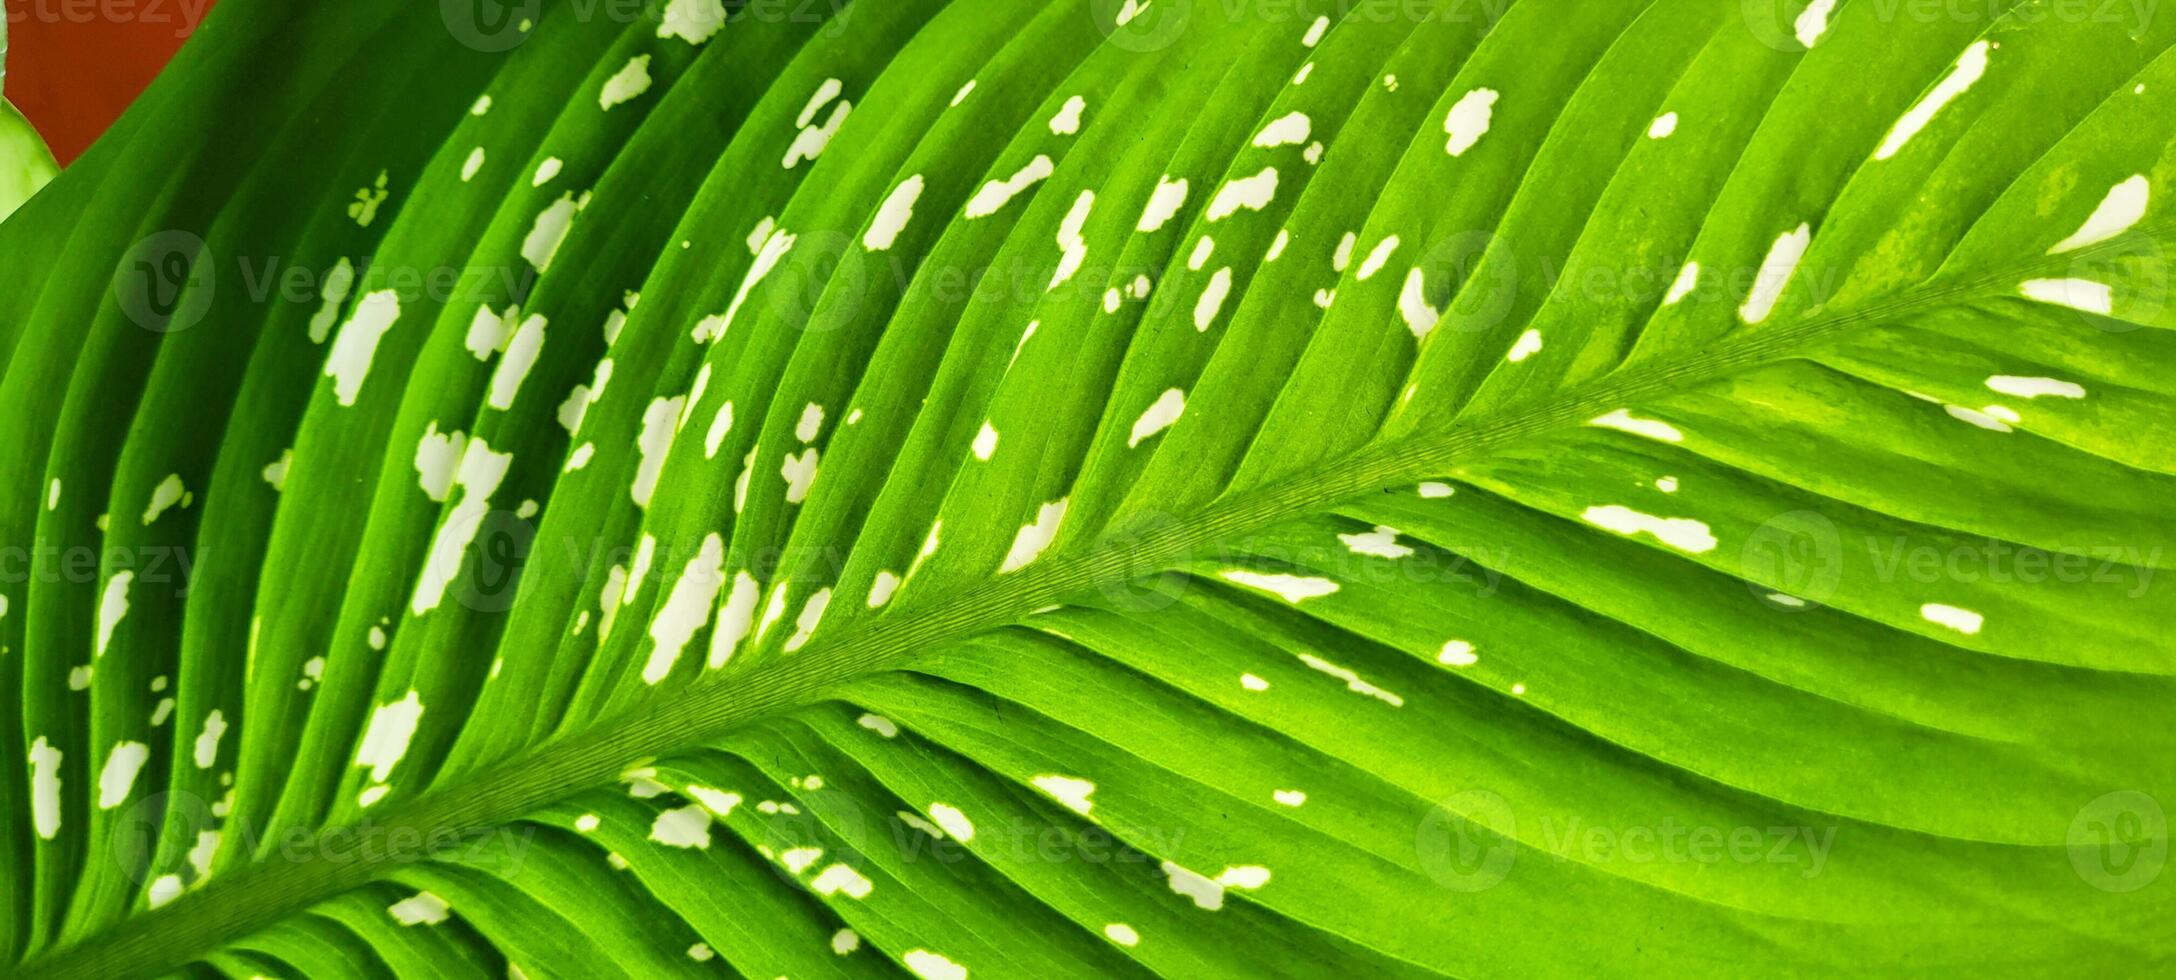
(73, 65)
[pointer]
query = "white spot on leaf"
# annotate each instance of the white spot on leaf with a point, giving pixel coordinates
(2021, 387)
(2121, 209)
(1970, 66)
(112, 605)
(1163, 204)
(685, 827)
(549, 231)
(799, 471)
(1291, 588)
(1622, 420)
(1683, 533)
(735, 619)
(349, 361)
(1028, 544)
(385, 739)
(45, 788)
(813, 140)
(1377, 258)
(1160, 415)
(812, 615)
(421, 908)
(693, 21)
(881, 588)
(119, 776)
(1379, 543)
(1067, 121)
(630, 81)
(207, 742)
(1290, 129)
(954, 822)
(1468, 120)
(1413, 307)
(2078, 294)
(331, 294)
(1775, 273)
(1528, 344)
(1072, 791)
(997, 193)
(839, 878)
(1352, 680)
(1957, 618)
(1315, 31)
(879, 724)
(893, 216)
(1251, 193)
(660, 422)
(686, 609)
(521, 355)
(1212, 298)
(932, 966)
(1687, 278)
(477, 477)
(1072, 244)
(1813, 22)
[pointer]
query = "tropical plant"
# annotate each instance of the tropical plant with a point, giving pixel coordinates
(1090, 488)
(25, 165)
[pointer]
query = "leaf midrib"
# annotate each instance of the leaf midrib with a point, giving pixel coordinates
(261, 893)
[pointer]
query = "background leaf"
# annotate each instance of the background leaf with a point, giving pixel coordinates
(25, 165)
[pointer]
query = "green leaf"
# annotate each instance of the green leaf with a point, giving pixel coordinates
(25, 163)
(981, 488)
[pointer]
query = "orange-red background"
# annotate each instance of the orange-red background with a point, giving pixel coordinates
(73, 65)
